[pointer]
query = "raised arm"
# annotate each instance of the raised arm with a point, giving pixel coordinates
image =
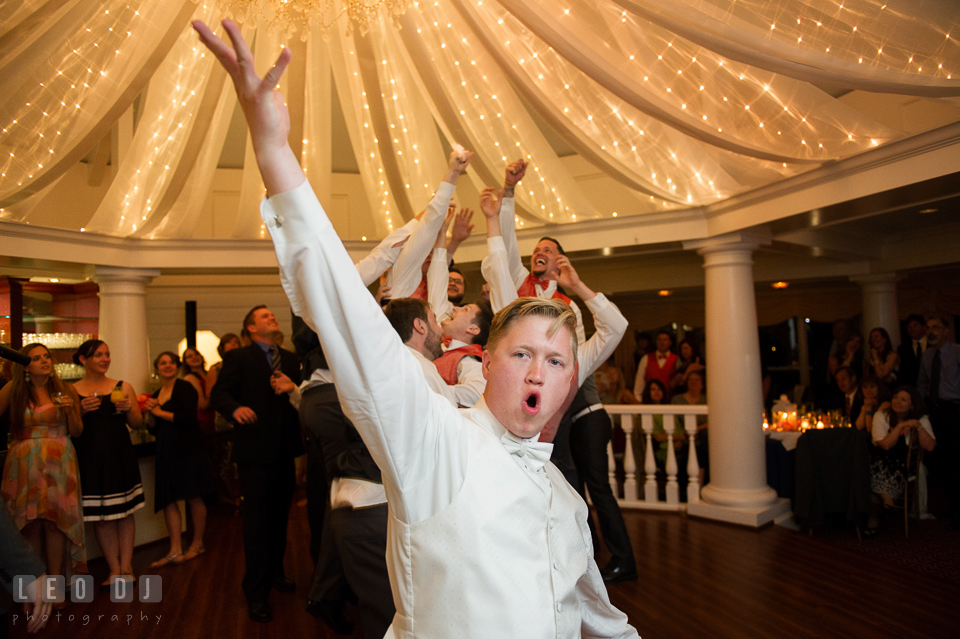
(407, 428)
(405, 275)
(610, 323)
(385, 253)
(462, 228)
(514, 173)
(438, 274)
(495, 266)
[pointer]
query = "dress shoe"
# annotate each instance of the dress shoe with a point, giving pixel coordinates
(284, 585)
(259, 611)
(331, 614)
(615, 573)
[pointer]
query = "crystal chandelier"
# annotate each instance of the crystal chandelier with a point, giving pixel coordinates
(288, 16)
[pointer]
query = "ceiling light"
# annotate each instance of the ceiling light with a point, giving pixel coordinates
(780, 284)
(665, 293)
(928, 210)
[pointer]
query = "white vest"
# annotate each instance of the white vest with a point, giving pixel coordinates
(521, 554)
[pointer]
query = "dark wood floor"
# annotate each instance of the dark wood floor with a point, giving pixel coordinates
(698, 579)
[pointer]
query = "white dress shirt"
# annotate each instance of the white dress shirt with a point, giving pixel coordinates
(479, 545)
(405, 276)
(438, 278)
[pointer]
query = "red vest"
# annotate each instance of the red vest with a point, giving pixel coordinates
(528, 289)
(448, 363)
(421, 292)
(664, 374)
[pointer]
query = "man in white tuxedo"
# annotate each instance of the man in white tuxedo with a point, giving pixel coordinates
(487, 539)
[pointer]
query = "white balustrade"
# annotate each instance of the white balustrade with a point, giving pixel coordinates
(650, 498)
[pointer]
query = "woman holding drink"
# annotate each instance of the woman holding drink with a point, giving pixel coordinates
(40, 478)
(109, 471)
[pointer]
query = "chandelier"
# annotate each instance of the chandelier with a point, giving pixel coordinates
(288, 16)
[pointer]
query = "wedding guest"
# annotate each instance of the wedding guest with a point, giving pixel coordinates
(266, 442)
(689, 360)
(109, 470)
(182, 471)
(611, 387)
(876, 398)
(660, 364)
(850, 399)
(41, 482)
(656, 393)
(939, 383)
(851, 354)
(892, 432)
(696, 394)
(911, 350)
(194, 370)
(882, 360)
(472, 498)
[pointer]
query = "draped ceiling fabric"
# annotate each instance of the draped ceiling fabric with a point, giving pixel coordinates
(685, 102)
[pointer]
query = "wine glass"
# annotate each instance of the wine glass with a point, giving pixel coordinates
(117, 395)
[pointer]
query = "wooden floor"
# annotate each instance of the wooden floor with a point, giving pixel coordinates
(698, 579)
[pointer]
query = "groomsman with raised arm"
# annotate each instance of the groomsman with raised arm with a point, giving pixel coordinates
(486, 537)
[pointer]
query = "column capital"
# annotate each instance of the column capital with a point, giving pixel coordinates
(745, 240)
(104, 274)
(877, 279)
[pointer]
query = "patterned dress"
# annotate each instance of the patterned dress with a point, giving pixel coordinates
(40, 477)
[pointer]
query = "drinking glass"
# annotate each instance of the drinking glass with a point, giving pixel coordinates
(117, 395)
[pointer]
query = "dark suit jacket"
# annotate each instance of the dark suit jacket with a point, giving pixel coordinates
(909, 364)
(244, 380)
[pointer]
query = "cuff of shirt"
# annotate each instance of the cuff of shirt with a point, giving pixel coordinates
(598, 303)
(295, 215)
(495, 244)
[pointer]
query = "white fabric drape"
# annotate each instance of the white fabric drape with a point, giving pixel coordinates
(685, 102)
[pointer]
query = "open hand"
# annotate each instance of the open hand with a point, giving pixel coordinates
(568, 277)
(490, 205)
(461, 225)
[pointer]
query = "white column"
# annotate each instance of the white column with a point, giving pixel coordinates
(880, 305)
(738, 490)
(123, 322)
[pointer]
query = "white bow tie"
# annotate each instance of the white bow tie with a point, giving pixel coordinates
(535, 453)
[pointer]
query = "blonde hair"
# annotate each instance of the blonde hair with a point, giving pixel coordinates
(561, 314)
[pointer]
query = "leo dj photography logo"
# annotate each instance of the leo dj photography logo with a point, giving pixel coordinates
(149, 589)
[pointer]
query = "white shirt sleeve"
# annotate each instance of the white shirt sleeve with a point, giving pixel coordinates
(611, 325)
(881, 426)
(496, 272)
(438, 276)
(405, 276)
(508, 229)
(641, 382)
(415, 436)
(581, 332)
(384, 255)
(434, 380)
(470, 382)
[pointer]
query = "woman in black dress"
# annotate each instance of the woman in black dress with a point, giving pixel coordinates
(182, 471)
(109, 471)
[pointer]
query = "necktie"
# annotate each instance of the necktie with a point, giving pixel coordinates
(935, 376)
(275, 357)
(534, 453)
(919, 351)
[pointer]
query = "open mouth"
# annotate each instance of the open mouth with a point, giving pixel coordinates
(531, 404)
(540, 261)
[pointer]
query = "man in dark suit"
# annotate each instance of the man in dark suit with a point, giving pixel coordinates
(850, 400)
(911, 350)
(266, 441)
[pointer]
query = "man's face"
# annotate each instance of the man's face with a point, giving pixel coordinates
(543, 262)
(663, 343)
(845, 383)
(528, 375)
(916, 330)
(434, 339)
(455, 287)
(936, 333)
(265, 324)
(462, 322)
